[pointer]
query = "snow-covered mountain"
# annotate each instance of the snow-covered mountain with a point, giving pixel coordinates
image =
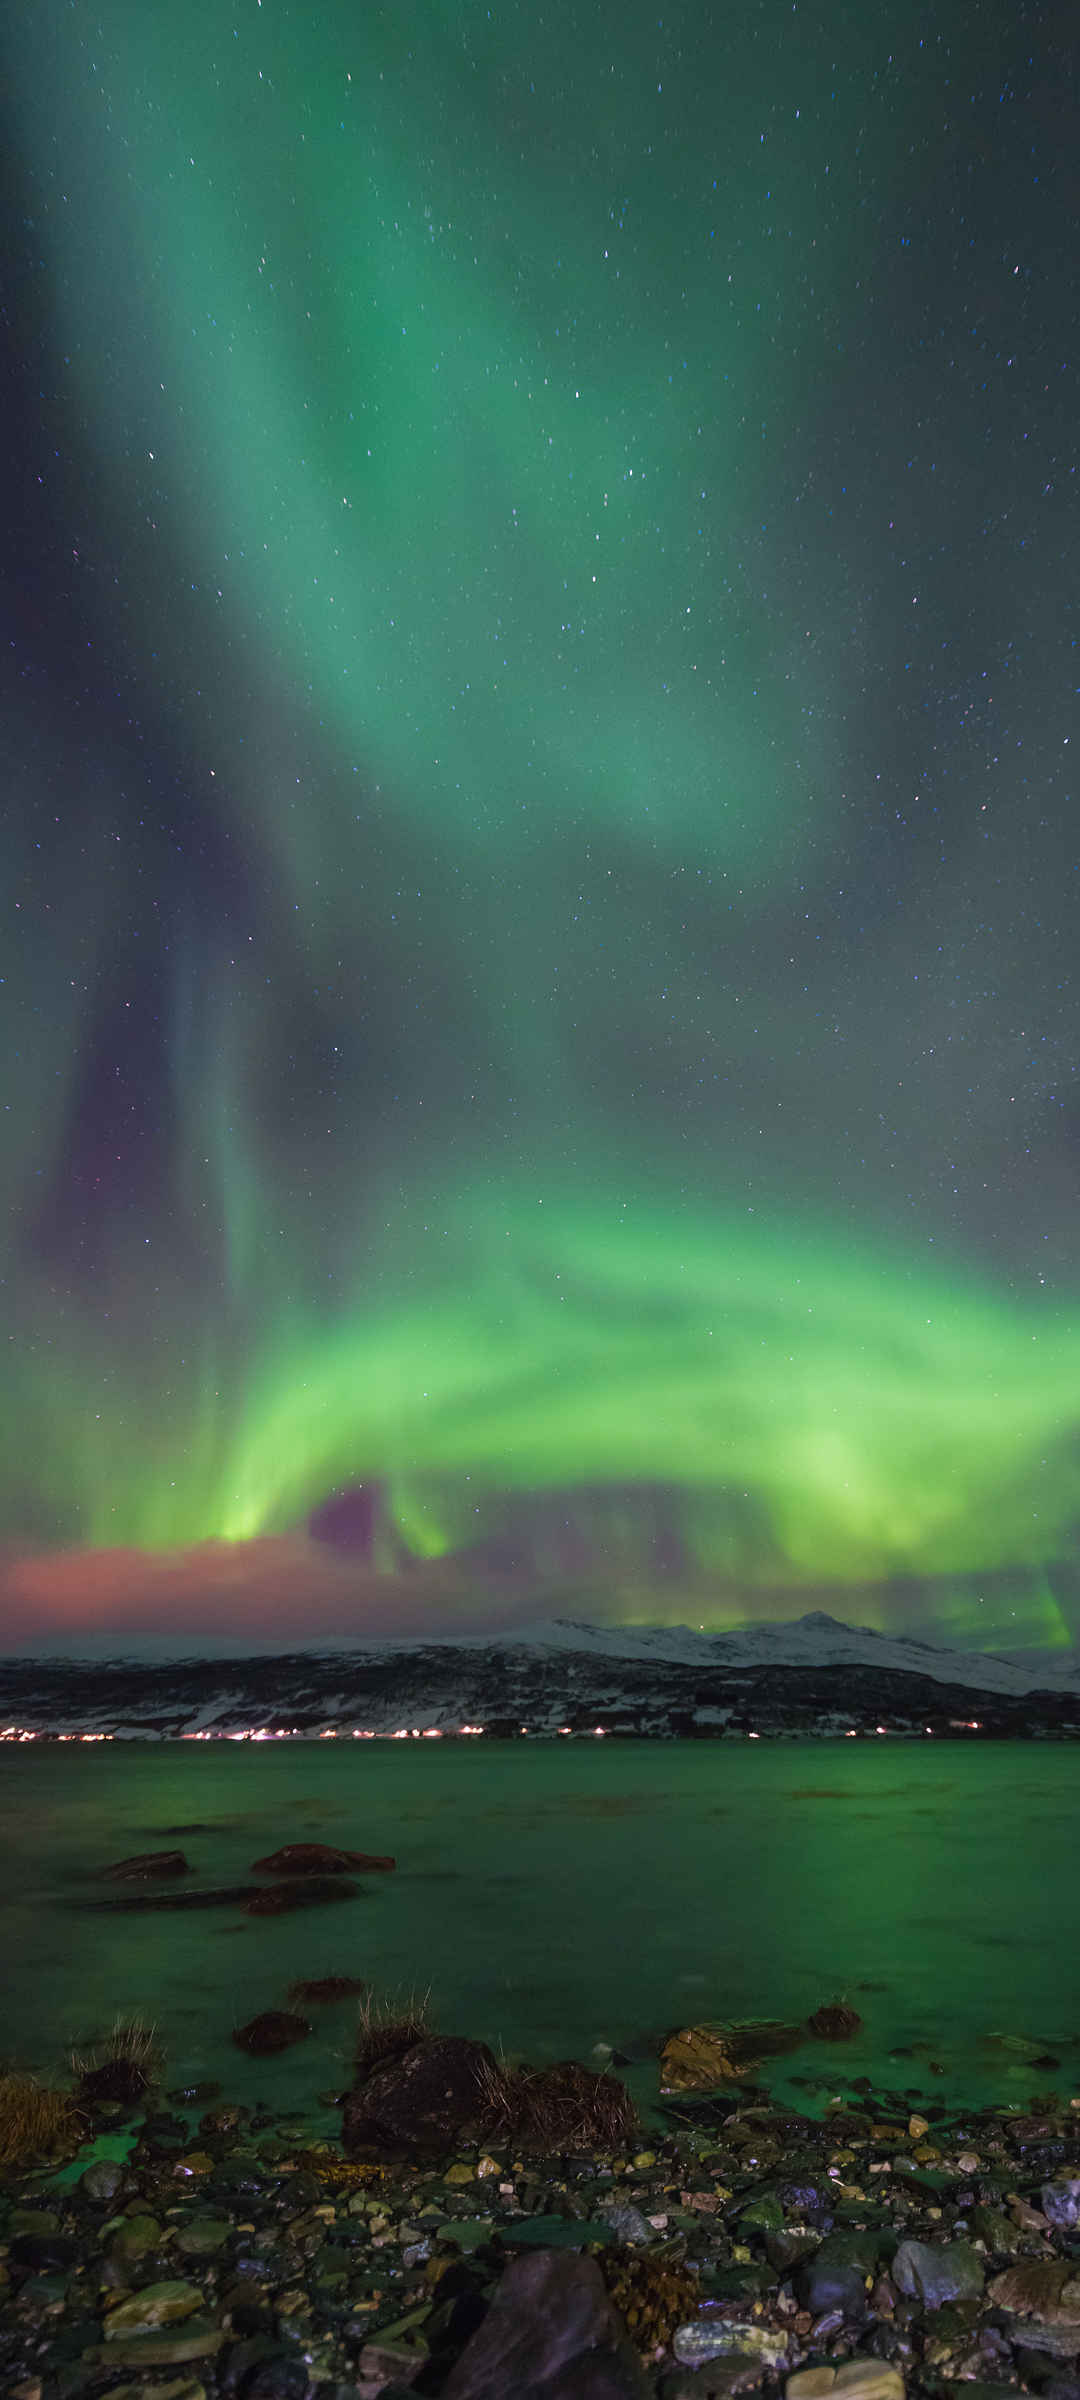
(815, 1676)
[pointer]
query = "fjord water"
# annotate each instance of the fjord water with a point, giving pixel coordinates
(556, 1895)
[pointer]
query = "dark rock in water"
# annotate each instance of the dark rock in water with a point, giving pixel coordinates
(316, 1858)
(274, 1900)
(220, 1896)
(121, 2080)
(276, 2029)
(320, 1990)
(422, 2102)
(550, 2331)
(836, 2022)
(149, 1862)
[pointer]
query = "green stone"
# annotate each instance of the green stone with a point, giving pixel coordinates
(197, 2339)
(135, 2236)
(762, 2214)
(157, 2304)
(201, 2236)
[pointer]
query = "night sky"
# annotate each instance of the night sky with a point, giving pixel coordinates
(540, 844)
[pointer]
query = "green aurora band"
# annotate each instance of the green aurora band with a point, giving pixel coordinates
(543, 1049)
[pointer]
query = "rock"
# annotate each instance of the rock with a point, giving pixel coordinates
(791, 2247)
(856, 2246)
(551, 2331)
(1061, 2200)
(147, 1863)
(836, 2022)
(628, 2224)
(133, 2239)
(202, 2236)
(282, 2377)
(998, 2232)
(276, 2029)
(937, 2275)
(696, 2059)
(1046, 2288)
(825, 2284)
(856, 2379)
(423, 2102)
(121, 2080)
(713, 2337)
(42, 2251)
(276, 1899)
(157, 2304)
(196, 2339)
(716, 2379)
(761, 2213)
(218, 1896)
(320, 1990)
(543, 2233)
(317, 1858)
(102, 2179)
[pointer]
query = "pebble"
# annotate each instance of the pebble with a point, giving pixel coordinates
(310, 2277)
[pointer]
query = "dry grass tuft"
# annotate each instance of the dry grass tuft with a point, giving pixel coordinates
(388, 2024)
(36, 2121)
(130, 2042)
(565, 2107)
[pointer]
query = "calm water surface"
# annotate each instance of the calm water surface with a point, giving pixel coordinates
(556, 1896)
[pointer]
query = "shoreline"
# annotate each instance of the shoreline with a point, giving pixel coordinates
(191, 2249)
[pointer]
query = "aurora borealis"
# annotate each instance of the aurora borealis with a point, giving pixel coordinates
(539, 861)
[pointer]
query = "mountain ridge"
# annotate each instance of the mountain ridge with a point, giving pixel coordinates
(814, 1675)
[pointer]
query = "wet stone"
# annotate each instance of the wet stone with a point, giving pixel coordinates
(201, 2237)
(157, 2304)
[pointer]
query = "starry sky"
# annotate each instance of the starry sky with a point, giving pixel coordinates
(539, 861)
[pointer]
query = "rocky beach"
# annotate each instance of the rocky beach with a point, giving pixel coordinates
(469, 2234)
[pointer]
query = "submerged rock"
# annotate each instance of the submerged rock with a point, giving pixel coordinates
(836, 2022)
(217, 1896)
(320, 1990)
(696, 2059)
(275, 2029)
(146, 1863)
(274, 1900)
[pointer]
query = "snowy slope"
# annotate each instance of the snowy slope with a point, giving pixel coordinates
(813, 1676)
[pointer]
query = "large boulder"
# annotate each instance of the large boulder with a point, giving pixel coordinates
(423, 2102)
(551, 2333)
(316, 1858)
